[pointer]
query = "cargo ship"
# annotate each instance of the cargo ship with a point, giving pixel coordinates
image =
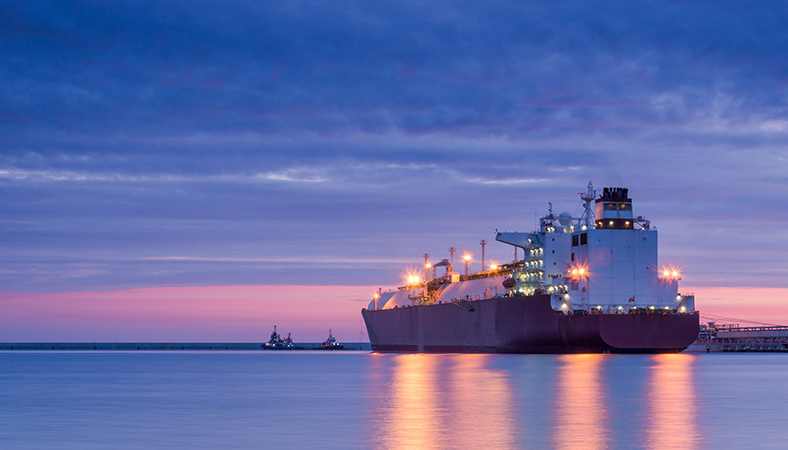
(590, 284)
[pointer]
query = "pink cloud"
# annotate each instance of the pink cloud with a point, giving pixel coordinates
(767, 305)
(172, 314)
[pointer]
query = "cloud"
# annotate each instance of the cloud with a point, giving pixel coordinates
(295, 176)
(281, 259)
(323, 143)
(511, 70)
(506, 181)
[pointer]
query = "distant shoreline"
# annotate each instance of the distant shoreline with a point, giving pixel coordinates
(169, 346)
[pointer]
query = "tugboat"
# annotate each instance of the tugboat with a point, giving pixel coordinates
(277, 343)
(331, 343)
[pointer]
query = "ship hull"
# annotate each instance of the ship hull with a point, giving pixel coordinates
(524, 325)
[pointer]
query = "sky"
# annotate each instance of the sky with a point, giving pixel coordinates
(202, 171)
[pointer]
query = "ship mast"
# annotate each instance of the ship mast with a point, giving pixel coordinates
(588, 197)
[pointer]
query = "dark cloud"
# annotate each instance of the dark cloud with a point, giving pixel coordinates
(510, 69)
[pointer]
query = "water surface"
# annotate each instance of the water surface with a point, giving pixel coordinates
(356, 400)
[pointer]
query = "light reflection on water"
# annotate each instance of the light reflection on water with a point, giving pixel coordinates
(356, 400)
(671, 403)
(445, 401)
(581, 410)
(582, 402)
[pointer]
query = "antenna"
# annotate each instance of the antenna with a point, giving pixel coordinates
(588, 197)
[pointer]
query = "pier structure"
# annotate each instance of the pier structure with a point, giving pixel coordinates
(735, 338)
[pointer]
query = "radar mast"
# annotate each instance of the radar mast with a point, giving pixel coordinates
(588, 214)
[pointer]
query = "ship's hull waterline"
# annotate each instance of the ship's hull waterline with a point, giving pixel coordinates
(524, 324)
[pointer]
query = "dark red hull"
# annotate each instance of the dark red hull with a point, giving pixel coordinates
(524, 325)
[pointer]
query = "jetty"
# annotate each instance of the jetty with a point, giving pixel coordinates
(735, 338)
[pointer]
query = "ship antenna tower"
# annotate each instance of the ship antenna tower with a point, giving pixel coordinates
(588, 197)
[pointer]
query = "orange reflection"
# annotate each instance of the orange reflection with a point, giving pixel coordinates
(581, 409)
(672, 407)
(444, 401)
(480, 407)
(411, 417)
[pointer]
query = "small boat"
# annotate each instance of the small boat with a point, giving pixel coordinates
(277, 343)
(331, 343)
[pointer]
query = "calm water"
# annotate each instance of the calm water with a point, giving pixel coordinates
(292, 400)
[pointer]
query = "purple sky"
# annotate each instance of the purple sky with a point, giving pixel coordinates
(147, 145)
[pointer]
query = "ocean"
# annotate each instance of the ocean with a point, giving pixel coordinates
(360, 400)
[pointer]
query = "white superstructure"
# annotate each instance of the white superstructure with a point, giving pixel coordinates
(605, 261)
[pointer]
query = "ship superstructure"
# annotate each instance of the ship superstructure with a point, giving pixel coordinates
(590, 283)
(604, 261)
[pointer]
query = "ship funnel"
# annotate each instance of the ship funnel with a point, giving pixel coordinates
(614, 209)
